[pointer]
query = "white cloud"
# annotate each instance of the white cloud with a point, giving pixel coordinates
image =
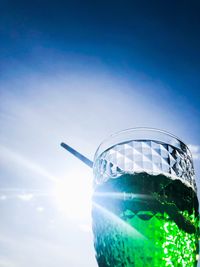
(195, 149)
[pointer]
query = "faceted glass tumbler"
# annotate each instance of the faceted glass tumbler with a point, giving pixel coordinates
(145, 206)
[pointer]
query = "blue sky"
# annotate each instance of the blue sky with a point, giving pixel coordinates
(77, 72)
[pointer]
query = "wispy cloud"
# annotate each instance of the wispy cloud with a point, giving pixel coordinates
(195, 149)
(22, 194)
(40, 209)
(32, 250)
(6, 262)
(26, 197)
(3, 197)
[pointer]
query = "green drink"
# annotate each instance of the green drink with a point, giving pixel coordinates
(162, 213)
(143, 215)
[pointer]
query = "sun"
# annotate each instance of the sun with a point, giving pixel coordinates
(73, 194)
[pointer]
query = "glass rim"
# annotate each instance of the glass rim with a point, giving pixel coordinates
(137, 134)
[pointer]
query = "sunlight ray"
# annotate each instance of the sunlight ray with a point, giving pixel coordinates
(122, 195)
(115, 218)
(10, 155)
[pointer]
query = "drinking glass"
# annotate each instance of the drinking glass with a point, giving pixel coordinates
(145, 206)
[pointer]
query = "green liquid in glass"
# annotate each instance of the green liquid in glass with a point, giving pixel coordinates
(145, 220)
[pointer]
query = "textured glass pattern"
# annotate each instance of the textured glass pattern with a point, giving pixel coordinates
(157, 226)
(145, 156)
